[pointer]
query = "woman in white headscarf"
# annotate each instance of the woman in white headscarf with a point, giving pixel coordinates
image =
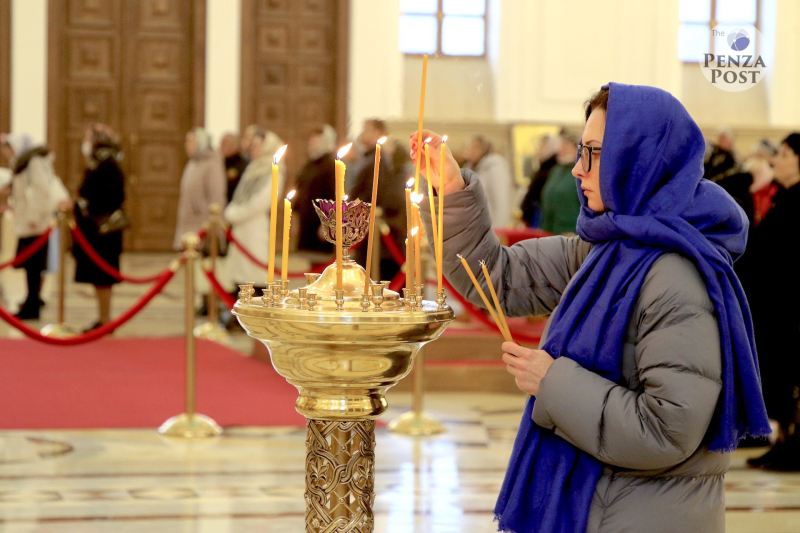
(248, 212)
(203, 183)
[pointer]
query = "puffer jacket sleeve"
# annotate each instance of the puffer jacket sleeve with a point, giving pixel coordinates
(529, 277)
(660, 418)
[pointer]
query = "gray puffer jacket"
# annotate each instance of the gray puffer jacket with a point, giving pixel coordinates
(649, 429)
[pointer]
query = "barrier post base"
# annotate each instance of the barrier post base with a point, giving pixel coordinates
(416, 425)
(58, 331)
(186, 426)
(212, 332)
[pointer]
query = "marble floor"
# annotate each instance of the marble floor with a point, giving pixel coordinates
(251, 479)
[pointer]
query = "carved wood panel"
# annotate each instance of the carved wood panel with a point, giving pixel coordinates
(136, 65)
(294, 69)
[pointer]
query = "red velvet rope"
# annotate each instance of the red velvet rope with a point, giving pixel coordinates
(254, 259)
(226, 298)
(28, 252)
(103, 265)
(94, 334)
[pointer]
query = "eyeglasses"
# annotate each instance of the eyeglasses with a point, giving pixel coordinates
(585, 155)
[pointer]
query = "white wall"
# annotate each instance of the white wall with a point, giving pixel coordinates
(550, 56)
(376, 64)
(29, 68)
(223, 66)
(783, 79)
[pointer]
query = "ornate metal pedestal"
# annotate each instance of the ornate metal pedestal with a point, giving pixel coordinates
(342, 356)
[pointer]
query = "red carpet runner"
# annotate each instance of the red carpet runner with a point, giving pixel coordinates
(135, 383)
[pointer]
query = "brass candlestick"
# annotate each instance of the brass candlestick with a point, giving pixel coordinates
(342, 360)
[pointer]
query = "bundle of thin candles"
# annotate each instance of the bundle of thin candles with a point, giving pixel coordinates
(495, 310)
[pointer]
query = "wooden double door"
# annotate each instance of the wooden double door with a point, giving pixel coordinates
(139, 66)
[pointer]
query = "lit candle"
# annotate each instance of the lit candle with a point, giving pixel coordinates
(440, 233)
(340, 169)
(371, 241)
(412, 259)
(287, 224)
(503, 324)
(273, 213)
(415, 200)
(409, 239)
(429, 179)
(489, 306)
(421, 113)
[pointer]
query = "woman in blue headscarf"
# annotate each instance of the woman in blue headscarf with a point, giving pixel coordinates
(646, 376)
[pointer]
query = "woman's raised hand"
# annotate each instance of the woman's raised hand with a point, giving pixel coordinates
(452, 173)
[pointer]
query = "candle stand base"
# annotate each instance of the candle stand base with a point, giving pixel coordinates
(340, 476)
(416, 425)
(212, 332)
(186, 426)
(58, 331)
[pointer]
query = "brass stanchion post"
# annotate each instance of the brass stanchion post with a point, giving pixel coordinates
(418, 423)
(212, 330)
(60, 329)
(190, 424)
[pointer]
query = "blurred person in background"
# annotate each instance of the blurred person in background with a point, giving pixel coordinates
(763, 188)
(248, 212)
(720, 158)
(560, 204)
(203, 183)
(98, 214)
(547, 157)
(247, 139)
(36, 193)
(315, 180)
(772, 286)
(235, 163)
(492, 170)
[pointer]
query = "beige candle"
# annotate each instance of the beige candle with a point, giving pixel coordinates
(416, 198)
(371, 241)
(409, 239)
(489, 306)
(503, 324)
(340, 170)
(421, 113)
(429, 179)
(287, 225)
(273, 213)
(440, 232)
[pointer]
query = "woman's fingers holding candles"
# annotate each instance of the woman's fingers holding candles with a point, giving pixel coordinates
(526, 365)
(452, 178)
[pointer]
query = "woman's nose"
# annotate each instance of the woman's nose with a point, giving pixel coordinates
(577, 170)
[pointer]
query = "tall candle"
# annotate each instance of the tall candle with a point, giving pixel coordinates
(371, 241)
(409, 239)
(287, 225)
(489, 307)
(340, 170)
(503, 324)
(429, 179)
(440, 233)
(417, 238)
(273, 213)
(421, 113)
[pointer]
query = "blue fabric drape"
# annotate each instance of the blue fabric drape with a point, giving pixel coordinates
(656, 200)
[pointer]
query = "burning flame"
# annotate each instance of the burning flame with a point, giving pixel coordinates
(343, 151)
(345, 197)
(277, 157)
(410, 183)
(291, 195)
(429, 139)
(414, 231)
(416, 198)
(382, 140)
(444, 139)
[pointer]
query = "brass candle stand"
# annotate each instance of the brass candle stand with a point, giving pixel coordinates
(342, 358)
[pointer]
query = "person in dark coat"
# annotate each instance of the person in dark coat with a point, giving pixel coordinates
(100, 196)
(773, 289)
(547, 155)
(235, 163)
(315, 180)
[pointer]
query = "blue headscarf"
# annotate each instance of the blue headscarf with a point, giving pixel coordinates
(657, 202)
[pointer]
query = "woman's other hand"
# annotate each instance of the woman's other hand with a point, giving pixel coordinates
(526, 365)
(452, 173)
